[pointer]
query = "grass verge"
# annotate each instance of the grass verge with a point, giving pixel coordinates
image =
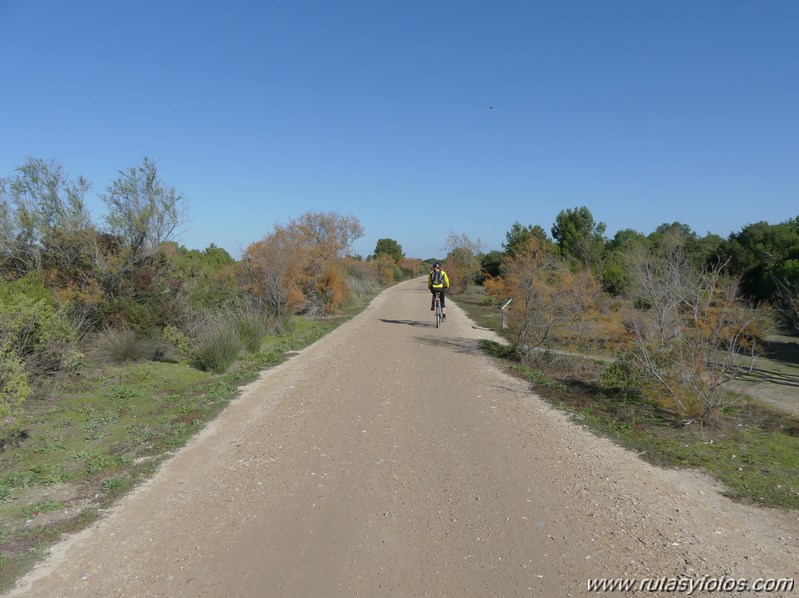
(753, 449)
(87, 439)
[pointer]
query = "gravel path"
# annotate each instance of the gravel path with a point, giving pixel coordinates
(393, 459)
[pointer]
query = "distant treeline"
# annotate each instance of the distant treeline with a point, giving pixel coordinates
(764, 256)
(683, 314)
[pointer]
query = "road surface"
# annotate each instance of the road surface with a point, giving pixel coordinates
(393, 459)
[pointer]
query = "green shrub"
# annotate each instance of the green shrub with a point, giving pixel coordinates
(14, 388)
(34, 328)
(178, 339)
(621, 377)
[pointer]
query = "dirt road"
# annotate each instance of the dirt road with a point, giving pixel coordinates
(392, 459)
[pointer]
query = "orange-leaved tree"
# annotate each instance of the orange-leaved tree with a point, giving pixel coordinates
(273, 265)
(300, 266)
(548, 298)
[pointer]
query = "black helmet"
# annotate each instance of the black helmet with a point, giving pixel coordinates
(436, 265)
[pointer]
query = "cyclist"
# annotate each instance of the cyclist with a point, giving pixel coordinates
(437, 282)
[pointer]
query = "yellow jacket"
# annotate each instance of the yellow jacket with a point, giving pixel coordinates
(444, 284)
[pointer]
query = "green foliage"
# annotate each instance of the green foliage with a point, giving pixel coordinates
(34, 328)
(143, 211)
(537, 377)
(621, 377)
(616, 278)
(145, 295)
(500, 350)
(43, 219)
(102, 463)
(115, 486)
(578, 236)
(14, 387)
(490, 265)
(44, 506)
(207, 277)
(390, 248)
(626, 238)
(178, 339)
(517, 237)
(765, 256)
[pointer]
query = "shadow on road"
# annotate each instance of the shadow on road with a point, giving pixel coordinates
(761, 375)
(782, 349)
(408, 322)
(461, 345)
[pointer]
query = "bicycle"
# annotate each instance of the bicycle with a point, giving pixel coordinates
(437, 306)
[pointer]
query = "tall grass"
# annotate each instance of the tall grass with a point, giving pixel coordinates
(118, 346)
(251, 325)
(216, 346)
(282, 325)
(361, 288)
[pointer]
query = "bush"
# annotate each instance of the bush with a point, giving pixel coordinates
(621, 377)
(34, 328)
(216, 347)
(251, 325)
(178, 339)
(14, 388)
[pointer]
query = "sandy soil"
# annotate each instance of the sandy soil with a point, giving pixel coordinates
(393, 459)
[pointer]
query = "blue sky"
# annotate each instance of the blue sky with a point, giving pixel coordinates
(421, 118)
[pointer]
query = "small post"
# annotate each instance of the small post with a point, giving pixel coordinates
(503, 309)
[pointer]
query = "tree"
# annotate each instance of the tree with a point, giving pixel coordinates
(275, 266)
(462, 262)
(135, 271)
(323, 238)
(549, 296)
(579, 237)
(300, 265)
(762, 254)
(689, 332)
(143, 211)
(390, 248)
(44, 223)
(518, 236)
(615, 273)
(490, 265)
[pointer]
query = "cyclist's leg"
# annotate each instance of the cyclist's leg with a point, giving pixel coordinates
(443, 304)
(432, 299)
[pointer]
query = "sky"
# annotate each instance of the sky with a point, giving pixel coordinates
(421, 118)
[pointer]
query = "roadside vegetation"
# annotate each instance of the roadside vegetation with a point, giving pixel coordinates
(117, 344)
(656, 341)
